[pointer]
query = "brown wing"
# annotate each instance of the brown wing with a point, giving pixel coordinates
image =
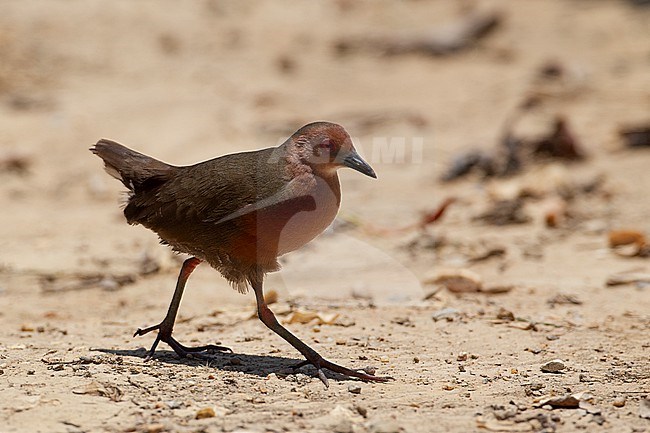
(204, 207)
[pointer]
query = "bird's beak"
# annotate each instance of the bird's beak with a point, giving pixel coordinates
(355, 162)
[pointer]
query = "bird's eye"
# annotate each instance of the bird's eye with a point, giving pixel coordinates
(327, 144)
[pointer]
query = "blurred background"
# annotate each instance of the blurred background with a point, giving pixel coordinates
(420, 85)
(529, 120)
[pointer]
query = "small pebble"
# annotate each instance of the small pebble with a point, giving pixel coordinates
(173, 404)
(354, 388)
(462, 356)
(554, 366)
(206, 412)
(448, 314)
(584, 378)
(457, 281)
(619, 402)
(153, 428)
(506, 315)
(370, 369)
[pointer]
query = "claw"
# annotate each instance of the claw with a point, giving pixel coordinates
(139, 332)
(321, 364)
(323, 378)
(182, 351)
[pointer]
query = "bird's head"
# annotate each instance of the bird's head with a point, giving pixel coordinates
(326, 147)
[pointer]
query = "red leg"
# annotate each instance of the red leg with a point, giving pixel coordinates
(166, 327)
(268, 318)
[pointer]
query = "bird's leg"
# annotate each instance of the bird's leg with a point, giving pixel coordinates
(268, 318)
(166, 327)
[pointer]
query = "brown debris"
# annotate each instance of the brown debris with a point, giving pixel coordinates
(567, 401)
(426, 219)
(497, 290)
(624, 238)
(560, 143)
(555, 211)
(514, 153)
(457, 281)
(435, 215)
(488, 253)
(107, 390)
(60, 282)
(466, 162)
(504, 212)
(563, 299)
(551, 70)
(628, 278)
(206, 412)
(505, 315)
(15, 163)
(636, 136)
(313, 317)
(443, 41)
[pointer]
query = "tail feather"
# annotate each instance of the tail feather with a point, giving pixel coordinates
(133, 169)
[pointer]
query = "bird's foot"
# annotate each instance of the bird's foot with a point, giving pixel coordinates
(165, 335)
(321, 363)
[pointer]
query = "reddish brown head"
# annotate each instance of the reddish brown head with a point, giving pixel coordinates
(327, 147)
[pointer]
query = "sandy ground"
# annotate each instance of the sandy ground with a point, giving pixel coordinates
(186, 83)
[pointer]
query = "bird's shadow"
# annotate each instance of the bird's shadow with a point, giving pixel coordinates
(257, 365)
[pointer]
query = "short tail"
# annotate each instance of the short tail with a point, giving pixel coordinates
(135, 170)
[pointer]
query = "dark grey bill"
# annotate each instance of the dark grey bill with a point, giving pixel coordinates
(354, 161)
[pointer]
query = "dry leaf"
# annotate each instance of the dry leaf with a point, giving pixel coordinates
(568, 401)
(206, 412)
(503, 426)
(103, 390)
(318, 318)
(457, 281)
(628, 278)
(625, 237)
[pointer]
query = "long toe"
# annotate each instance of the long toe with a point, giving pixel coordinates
(196, 352)
(140, 332)
(322, 363)
(207, 348)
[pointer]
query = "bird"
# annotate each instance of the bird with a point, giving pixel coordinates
(239, 213)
